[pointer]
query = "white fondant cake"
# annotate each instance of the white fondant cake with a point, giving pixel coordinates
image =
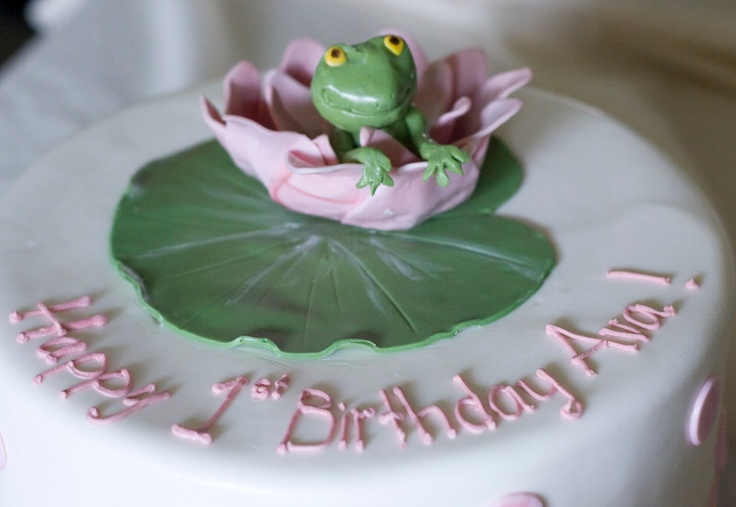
(609, 428)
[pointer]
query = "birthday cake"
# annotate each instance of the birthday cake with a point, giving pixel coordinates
(579, 362)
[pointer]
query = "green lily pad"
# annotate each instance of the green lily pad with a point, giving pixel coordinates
(213, 257)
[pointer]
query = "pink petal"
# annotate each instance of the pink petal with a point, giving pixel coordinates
(329, 195)
(213, 119)
(435, 91)
(243, 92)
(491, 116)
(290, 104)
(443, 129)
(411, 200)
(496, 114)
(312, 157)
(301, 58)
(393, 149)
(258, 151)
(470, 71)
(504, 84)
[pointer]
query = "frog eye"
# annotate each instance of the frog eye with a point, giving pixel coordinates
(335, 56)
(394, 43)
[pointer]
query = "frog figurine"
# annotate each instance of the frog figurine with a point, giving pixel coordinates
(372, 84)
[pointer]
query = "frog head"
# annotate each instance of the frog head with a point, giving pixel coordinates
(371, 84)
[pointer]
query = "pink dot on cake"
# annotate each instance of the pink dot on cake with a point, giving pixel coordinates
(518, 500)
(705, 411)
(3, 455)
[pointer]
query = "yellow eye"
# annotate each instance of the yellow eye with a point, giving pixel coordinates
(335, 56)
(394, 43)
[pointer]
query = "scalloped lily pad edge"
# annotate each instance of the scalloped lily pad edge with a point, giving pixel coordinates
(270, 345)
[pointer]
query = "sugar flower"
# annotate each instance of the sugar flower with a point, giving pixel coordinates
(273, 132)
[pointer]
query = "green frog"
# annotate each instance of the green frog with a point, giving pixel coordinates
(372, 84)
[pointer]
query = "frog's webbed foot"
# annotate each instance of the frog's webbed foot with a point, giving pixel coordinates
(442, 158)
(376, 167)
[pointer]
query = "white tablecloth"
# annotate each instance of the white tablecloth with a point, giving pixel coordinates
(666, 68)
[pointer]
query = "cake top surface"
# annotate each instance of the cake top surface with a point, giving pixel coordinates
(645, 216)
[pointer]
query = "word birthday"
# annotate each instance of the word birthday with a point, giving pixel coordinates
(506, 402)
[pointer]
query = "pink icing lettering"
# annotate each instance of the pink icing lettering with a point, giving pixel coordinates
(417, 417)
(263, 388)
(649, 317)
(638, 315)
(280, 386)
(519, 404)
(100, 382)
(616, 329)
(642, 277)
(343, 442)
(136, 400)
(358, 417)
(74, 367)
(692, 284)
(202, 435)
(580, 358)
(472, 402)
(573, 409)
(321, 409)
(56, 327)
(82, 302)
(392, 418)
(56, 348)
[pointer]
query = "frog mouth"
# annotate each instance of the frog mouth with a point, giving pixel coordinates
(366, 107)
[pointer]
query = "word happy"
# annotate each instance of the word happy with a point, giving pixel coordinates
(67, 354)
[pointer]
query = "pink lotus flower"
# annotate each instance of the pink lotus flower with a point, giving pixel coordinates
(273, 132)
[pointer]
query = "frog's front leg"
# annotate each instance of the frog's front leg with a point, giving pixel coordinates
(376, 165)
(440, 157)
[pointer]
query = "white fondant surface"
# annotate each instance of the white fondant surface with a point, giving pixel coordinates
(605, 199)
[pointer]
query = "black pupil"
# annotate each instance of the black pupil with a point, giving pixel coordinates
(335, 53)
(394, 40)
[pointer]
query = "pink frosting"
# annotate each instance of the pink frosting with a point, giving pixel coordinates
(518, 500)
(637, 276)
(704, 413)
(275, 134)
(3, 454)
(202, 435)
